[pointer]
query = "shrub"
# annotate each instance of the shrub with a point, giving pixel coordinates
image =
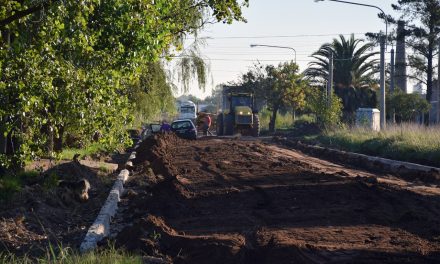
(327, 117)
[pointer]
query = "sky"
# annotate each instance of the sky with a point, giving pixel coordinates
(300, 24)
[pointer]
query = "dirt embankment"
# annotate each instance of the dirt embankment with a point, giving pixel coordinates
(37, 216)
(231, 201)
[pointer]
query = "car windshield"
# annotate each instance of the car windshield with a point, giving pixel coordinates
(187, 109)
(155, 128)
(180, 125)
(241, 101)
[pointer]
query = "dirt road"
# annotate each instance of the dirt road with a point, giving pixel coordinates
(234, 201)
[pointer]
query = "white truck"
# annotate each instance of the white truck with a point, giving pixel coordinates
(188, 110)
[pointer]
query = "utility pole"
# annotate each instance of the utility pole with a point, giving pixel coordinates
(438, 87)
(393, 114)
(392, 71)
(330, 80)
(382, 84)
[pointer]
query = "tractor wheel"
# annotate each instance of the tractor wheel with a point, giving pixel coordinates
(219, 125)
(256, 126)
(228, 124)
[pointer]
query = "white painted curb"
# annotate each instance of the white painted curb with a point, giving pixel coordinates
(101, 227)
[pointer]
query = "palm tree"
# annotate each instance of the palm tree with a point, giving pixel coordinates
(353, 64)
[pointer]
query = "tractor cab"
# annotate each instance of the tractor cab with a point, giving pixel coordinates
(238, 113)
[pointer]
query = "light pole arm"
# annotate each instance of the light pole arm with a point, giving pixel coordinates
(273, 46)
(367, 5)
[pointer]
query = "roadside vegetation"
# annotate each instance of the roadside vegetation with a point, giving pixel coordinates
(283, 121)
(90, 150)
(87, 70)
(405, 142)
(11, 184)
(109, 255)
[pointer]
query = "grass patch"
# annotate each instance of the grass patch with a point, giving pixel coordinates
(283, 121)
(68, 153)
(406, 142)
(9, 185)
(12, 183)
(69, 256)
(104, 169)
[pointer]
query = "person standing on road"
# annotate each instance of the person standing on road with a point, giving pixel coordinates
(207, 125)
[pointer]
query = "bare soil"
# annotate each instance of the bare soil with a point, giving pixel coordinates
(233, 201)
(36, 217)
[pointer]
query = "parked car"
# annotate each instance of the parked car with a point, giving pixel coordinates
(150, 129)
(184, 128)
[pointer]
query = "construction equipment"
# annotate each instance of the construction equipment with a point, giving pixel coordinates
(238, 113)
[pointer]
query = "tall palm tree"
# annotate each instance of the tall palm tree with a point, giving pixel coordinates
(354, 65)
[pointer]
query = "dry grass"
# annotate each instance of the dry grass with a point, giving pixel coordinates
(408, 142)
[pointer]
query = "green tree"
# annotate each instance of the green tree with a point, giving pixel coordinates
(72, 67)
(354, 65)
(407, 106)
(422, 22)
(353, 74)
(281, 87)
(327, 117)
(152, 94)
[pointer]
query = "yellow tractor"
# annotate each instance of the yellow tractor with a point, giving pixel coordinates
(238, 114)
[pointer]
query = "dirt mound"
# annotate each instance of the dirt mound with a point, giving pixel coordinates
(151, 235)
(156, 151)
(36, 216)
(232, 201)
(156, 146)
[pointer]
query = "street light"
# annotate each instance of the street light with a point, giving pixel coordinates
(272, 46)
(382, 58)
(367, 5)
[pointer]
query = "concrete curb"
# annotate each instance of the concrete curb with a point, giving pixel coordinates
(101, 227)
(411, 171)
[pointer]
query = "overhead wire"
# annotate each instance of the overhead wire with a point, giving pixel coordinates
(279, 36)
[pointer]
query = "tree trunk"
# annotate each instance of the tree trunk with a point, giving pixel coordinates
(429, 74)
(273, 118)
(3, 139)
(49, 135)
(10, 148)
(58, 141)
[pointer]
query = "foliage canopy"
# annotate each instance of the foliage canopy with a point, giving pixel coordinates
(281, 87)
(74, 67)
(422, 27)
(354, 65)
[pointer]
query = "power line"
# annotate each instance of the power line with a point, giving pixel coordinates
(280, 36)
(308, 54)
(255, 53)
(218, 59)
